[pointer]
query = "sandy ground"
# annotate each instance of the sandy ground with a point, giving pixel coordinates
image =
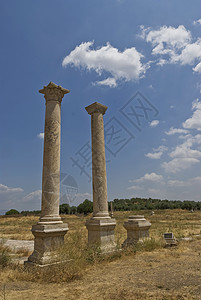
(173, 273)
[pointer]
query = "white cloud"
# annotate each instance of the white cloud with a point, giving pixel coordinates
(197, 22)
(185, 137)
(195, 121)
(179, 164)
(5, 189)
(183, 156)
(134, 187)
(197, 68)
(184, 150)
(180, 183)
(189, 54)
(40, 135)
(175, 130)
(111, 82)
(154, 123)
(33, 196)
(157, 153)
(173, 45)
(150, 177)
(167, 40)
(177, 183)
(124, 65)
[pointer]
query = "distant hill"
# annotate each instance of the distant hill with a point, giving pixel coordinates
(2, 212)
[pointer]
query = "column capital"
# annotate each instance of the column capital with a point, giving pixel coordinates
(53, 92)
(95, 108)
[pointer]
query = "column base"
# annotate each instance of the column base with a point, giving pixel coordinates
(137, 230)
(48, 239)
(101, 233)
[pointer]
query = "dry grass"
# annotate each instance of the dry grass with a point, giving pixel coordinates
(147, 271)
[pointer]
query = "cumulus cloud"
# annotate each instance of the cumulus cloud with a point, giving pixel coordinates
(179, 164)
(186, 154)
(173, 45)
(189, 54)
(166, 40)
(184, 150)
(124, 65)
(183, 156)
(173, 131)
(157, 152)
(154, 123)
(6, 190)
(149, 177)
(40, 135)
(195, 121)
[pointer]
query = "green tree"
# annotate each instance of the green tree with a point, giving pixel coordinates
(64, 209)
(86, 207)
(12, 212)
(73, 210)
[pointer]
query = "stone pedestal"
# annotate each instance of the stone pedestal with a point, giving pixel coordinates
(47, 240)
(137, 230)
(101, 226)
(50, 230)
(101, 233)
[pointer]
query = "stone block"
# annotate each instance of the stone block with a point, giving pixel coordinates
(48, 239)
(137, 230)
(101, 233)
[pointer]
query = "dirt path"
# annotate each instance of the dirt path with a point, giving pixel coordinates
(165, 274)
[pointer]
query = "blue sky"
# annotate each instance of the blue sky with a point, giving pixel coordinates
(124, 54)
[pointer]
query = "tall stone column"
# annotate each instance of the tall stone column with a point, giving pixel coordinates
(50, 230)
(101, 226)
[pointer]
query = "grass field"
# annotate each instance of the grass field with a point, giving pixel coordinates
(147, 271)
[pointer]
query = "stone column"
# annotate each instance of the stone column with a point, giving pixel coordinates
(50, 230)
(101, 226)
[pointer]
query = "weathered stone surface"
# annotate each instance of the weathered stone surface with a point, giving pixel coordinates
(137, 230)
(47, 239)
(50, 230)
(100, 205)
(101, 233)
(101, 226)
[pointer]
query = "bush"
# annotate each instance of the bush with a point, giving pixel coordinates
(12, 212)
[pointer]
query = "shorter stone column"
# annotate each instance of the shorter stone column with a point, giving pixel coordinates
(100, 226)
(137, 230)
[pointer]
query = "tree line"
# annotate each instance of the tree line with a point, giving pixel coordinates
(132, 204)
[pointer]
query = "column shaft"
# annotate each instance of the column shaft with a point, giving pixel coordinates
(100, 205)
(100, 227)
(51, 162)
